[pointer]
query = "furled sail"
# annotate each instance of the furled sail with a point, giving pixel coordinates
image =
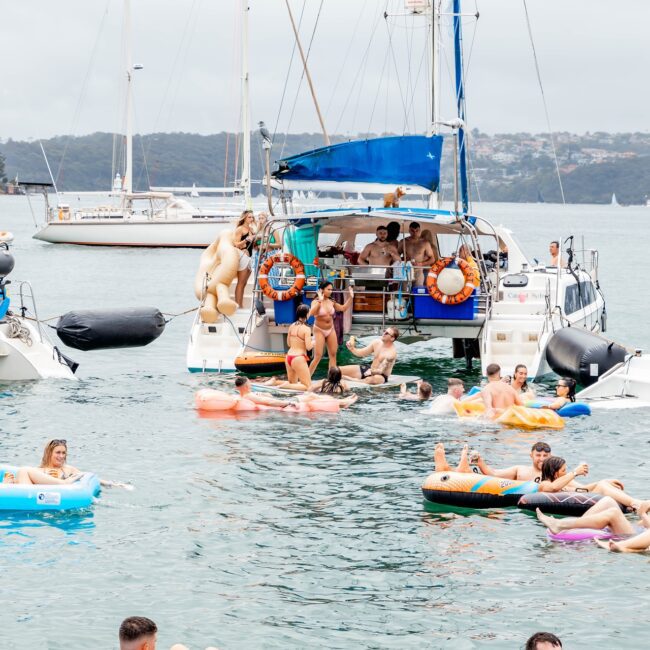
(411, 160)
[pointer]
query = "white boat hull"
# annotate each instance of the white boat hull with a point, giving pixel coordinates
(29, 359)
(104, 232)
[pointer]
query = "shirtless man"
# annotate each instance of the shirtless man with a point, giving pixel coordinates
(554, 250)
(539, 452)
(497, 395)
(379, 252)
(384, 357)
(243, 387)
(418, 251)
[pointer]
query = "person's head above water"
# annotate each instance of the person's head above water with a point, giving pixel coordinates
(543, 641)
(455, 387)
(539, 452)
(566, 387)
(521, 375)
(425, 389)
(138, 633)
(55, 453)
(242, 385)
(493, 371)
(553, 467)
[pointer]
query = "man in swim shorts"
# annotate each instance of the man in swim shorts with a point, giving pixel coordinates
(497, 395)
(444, 404)
(539, 452)
(138, 633)
(384, 355)
(243, 387)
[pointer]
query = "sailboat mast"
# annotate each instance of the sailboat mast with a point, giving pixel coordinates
(460, 103)
(245, 181)
(128, 169)
(434, 127)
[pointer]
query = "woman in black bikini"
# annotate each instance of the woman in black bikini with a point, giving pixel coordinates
(323, 309)
(244, 239)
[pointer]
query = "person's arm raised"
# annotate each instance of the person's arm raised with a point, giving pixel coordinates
(509, 472)
(559, 483)
(362, 352)
(348, 303)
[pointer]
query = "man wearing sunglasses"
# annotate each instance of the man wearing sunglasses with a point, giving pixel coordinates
(384, 355)
(539, 452)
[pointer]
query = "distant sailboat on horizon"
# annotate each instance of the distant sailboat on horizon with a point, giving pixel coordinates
(614, 201)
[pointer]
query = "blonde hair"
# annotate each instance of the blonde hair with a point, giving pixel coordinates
(49, 450)
(244, 216)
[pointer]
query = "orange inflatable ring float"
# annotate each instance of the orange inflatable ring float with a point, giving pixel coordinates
(298, 284)
(463, 294)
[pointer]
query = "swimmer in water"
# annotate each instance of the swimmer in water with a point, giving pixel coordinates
(566, 393)
(422, 394)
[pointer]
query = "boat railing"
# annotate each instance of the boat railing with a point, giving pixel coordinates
(26, 295)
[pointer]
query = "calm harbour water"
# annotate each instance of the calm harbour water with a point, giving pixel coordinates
(275, 531)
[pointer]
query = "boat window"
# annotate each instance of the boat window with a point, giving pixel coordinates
(515, 280)
(578, 296)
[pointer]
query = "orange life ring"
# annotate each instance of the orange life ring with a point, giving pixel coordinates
(463, 294)
(298, 269)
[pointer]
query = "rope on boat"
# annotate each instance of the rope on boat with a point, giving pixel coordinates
(18, 331)
(172, 316)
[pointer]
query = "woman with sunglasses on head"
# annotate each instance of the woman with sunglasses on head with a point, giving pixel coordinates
(323, 309)
(565, 394)
(54, 469)
(555, 478)
(244, 239)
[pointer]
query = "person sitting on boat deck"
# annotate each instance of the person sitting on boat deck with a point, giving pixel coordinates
(333, 384)
(384, 355)
(464, 254)
(539, 452)
(444, 404)
(54, 469)
(441, 464)
(138, 633)
(556, 256)
(555, 478)
(323, 309)
(543, 641)
(244, 239)
(379, 252)
(243, 387)
(418, 251)
(497, 395)
(605, 513)
(422, 394)
(392, 199)
(566, 393)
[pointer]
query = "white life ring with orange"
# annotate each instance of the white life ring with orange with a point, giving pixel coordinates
(463, 294)
(298, 284)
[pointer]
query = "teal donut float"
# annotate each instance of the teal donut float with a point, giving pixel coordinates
(39, 498)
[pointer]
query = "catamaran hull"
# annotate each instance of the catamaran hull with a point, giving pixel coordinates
(163, 234)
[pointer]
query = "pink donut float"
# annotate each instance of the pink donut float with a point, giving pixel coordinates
(581, 534)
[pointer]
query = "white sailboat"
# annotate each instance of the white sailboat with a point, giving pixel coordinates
(156, 218)
(614, 201)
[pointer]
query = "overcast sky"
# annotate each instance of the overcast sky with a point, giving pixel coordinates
(61, 66)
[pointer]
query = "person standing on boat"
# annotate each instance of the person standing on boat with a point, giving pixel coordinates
(464, 254)
(418, 251)
(384, 355)
(379, 252)
(556, 257)
(323, 309)
(244, 240)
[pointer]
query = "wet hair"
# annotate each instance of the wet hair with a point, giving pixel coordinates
(244, 215)
(333, 382)
(49, 450)
(134, 627)
(542, 637)
(551, 466)
(240, 381)
(519, 366)
(395, 332)
(541, 446)
(425, 389)
(571, 385)
(302, 311)
(393, 228)
(454, 381)
(493, 369)
(324, 284)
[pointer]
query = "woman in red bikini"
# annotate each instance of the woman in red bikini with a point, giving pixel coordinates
(299, 340)
(323, 309)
